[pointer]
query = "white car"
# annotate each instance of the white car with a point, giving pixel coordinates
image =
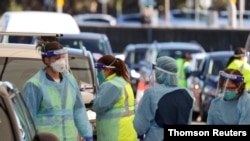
(35, 22)
(19, 62)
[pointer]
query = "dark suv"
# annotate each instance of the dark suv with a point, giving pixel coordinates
(207, 76)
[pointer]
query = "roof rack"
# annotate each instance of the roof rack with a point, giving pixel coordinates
(31, 34)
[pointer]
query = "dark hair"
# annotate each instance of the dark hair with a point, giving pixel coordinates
(53, 45)
(120, 67)
(187, 56)
(239, 85)
(238, 53)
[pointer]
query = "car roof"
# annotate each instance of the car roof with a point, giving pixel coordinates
(40, 21)
(220, 53)
(94, 15)
(95, 19)
(178, 45)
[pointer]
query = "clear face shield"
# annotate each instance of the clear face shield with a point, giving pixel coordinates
(153, 74)
(247, 48)
(227, 85)
(61, 64)
(99, 67)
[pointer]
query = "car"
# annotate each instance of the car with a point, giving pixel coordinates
(171, 49)
(96, 43)
(95, 19)
(35, 22)
(16, 122)
(131, 19)
(207, 76)
(19, 62)
(147, 55)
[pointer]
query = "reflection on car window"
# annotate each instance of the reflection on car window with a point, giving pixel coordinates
(20, 39)
(81, 70)
(175, 53)
(218, 65)
(96, 20)
(23, 115)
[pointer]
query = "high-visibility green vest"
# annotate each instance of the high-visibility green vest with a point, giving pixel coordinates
(244, 68)
(181, 73)
(54, 115)
(120, 115)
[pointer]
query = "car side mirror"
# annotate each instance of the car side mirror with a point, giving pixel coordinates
(45, 136)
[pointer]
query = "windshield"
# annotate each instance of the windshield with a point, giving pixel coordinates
(94, 46)
(175, 52)
(21, 39)
(135, 56)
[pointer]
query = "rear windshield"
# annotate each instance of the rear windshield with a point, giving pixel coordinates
(175, 53)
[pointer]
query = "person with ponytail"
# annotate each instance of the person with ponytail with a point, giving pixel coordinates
(114, 103)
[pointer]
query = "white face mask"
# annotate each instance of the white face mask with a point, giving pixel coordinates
(58, 65)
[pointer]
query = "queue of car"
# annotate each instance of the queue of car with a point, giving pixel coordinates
(18, 54)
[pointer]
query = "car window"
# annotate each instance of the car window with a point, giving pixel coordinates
(81, 70)
(26, 125)
(135, 56)
(218, 64)
(21, 39)
(25, 69)
(15, 118)
(175, 53)
(96, 20)
(94, 46)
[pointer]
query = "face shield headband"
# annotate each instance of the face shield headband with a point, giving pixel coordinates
(242, 55)
(232, 77)
(154, 67)
(52, 53)
(103, 66)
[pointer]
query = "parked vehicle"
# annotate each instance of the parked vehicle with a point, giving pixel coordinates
(95, 19)
(16, 122)
(172, 49)
(35, 22)
(18, 62)
(96, 43)
(207, 74)
(132, 19)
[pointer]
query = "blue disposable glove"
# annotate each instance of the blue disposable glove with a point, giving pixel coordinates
(141, 137)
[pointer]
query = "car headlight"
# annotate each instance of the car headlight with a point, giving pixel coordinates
(135, 74)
